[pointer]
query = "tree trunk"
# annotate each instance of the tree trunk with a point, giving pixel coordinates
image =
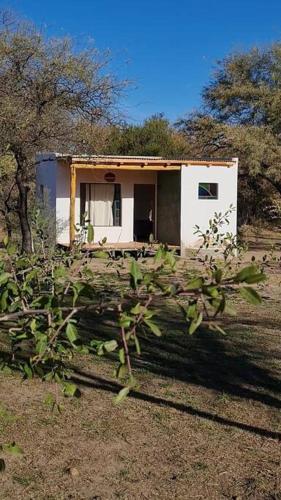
(26, 245)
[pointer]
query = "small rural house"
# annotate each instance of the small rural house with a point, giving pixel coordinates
(128, 198)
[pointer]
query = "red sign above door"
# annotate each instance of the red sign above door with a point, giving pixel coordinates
(109, 177)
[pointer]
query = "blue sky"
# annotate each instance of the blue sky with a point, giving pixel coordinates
(168, 48)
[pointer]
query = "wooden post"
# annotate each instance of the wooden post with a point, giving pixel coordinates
(72, 205)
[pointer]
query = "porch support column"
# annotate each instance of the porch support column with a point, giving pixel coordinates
(72, 205)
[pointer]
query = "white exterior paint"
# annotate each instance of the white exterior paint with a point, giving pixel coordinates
(127, 179)
(56, 178)
(195, 211)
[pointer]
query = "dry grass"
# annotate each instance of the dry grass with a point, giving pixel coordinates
(205, 423)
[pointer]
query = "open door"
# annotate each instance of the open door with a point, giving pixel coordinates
(144, 211)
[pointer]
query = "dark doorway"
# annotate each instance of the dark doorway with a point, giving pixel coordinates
(168, 207)
(144, 211)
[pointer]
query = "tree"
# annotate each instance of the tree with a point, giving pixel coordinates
(246, 93)
(45, 89)
(155, 137)
(241, 114)
(7, 192)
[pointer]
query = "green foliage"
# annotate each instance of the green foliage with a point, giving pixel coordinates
(242, 118)
(155, 137)
(42, 297)
(250, 295)
(46, 84)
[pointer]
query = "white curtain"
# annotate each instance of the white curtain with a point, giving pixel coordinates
(99, 203)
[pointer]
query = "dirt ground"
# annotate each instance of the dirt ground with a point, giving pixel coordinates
(204, 424)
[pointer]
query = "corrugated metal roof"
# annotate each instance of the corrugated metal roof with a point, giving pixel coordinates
(146, 162)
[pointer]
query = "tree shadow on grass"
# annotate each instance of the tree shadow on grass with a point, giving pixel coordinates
(236, 364)
(85, 379)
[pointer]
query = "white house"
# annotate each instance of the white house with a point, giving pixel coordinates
(127, 198)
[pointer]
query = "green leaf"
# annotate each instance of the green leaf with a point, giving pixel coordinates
(122, 356)
(77, 290)
(122, 372)
(41, 342)
(170, 260)
(121, 395)
(136, 309)
(12, 448)
(4, 277)
(195, 284)
(110, 345)
(137, 344)
(3, 300)
(125, 321)
(90, 233)
(246, 273)
(70, 390)
(250, 295)
(191, 311)
(135, 273)
(218, 275)
(218, 328)
(99, 254)
(159, 254)
(71, 332)
(212, 291)
(27, 370)
(60, 272)
(256, 278)
(153, 327)
(30, 276)
(195, 324)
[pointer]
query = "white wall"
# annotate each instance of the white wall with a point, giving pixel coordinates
(195, 211)
(63, 203)
(56, 177)
(127, 179)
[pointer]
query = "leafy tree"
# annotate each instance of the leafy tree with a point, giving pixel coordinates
(7, 193)
(45, 89)
(241, 115)
(155, 137)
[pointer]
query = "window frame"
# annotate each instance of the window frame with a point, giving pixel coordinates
(215, 197)
(83, 201)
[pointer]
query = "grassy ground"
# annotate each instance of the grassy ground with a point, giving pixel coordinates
(205, 423)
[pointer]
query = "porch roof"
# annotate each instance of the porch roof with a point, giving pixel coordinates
(137, 162)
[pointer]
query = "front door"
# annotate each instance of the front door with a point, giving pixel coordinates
(144, 212)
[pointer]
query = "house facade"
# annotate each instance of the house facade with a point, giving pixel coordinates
(129, 198)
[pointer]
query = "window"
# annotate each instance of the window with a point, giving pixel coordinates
(207, 191)
(102, 203)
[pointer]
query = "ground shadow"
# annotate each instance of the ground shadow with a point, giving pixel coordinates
(235, 364)
(99, 383)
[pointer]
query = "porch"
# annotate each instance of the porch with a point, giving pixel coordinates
(131, 247)
(128, 200)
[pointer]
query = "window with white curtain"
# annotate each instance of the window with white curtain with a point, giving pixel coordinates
(101, 203)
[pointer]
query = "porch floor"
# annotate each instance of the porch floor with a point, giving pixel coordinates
(131, 246)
